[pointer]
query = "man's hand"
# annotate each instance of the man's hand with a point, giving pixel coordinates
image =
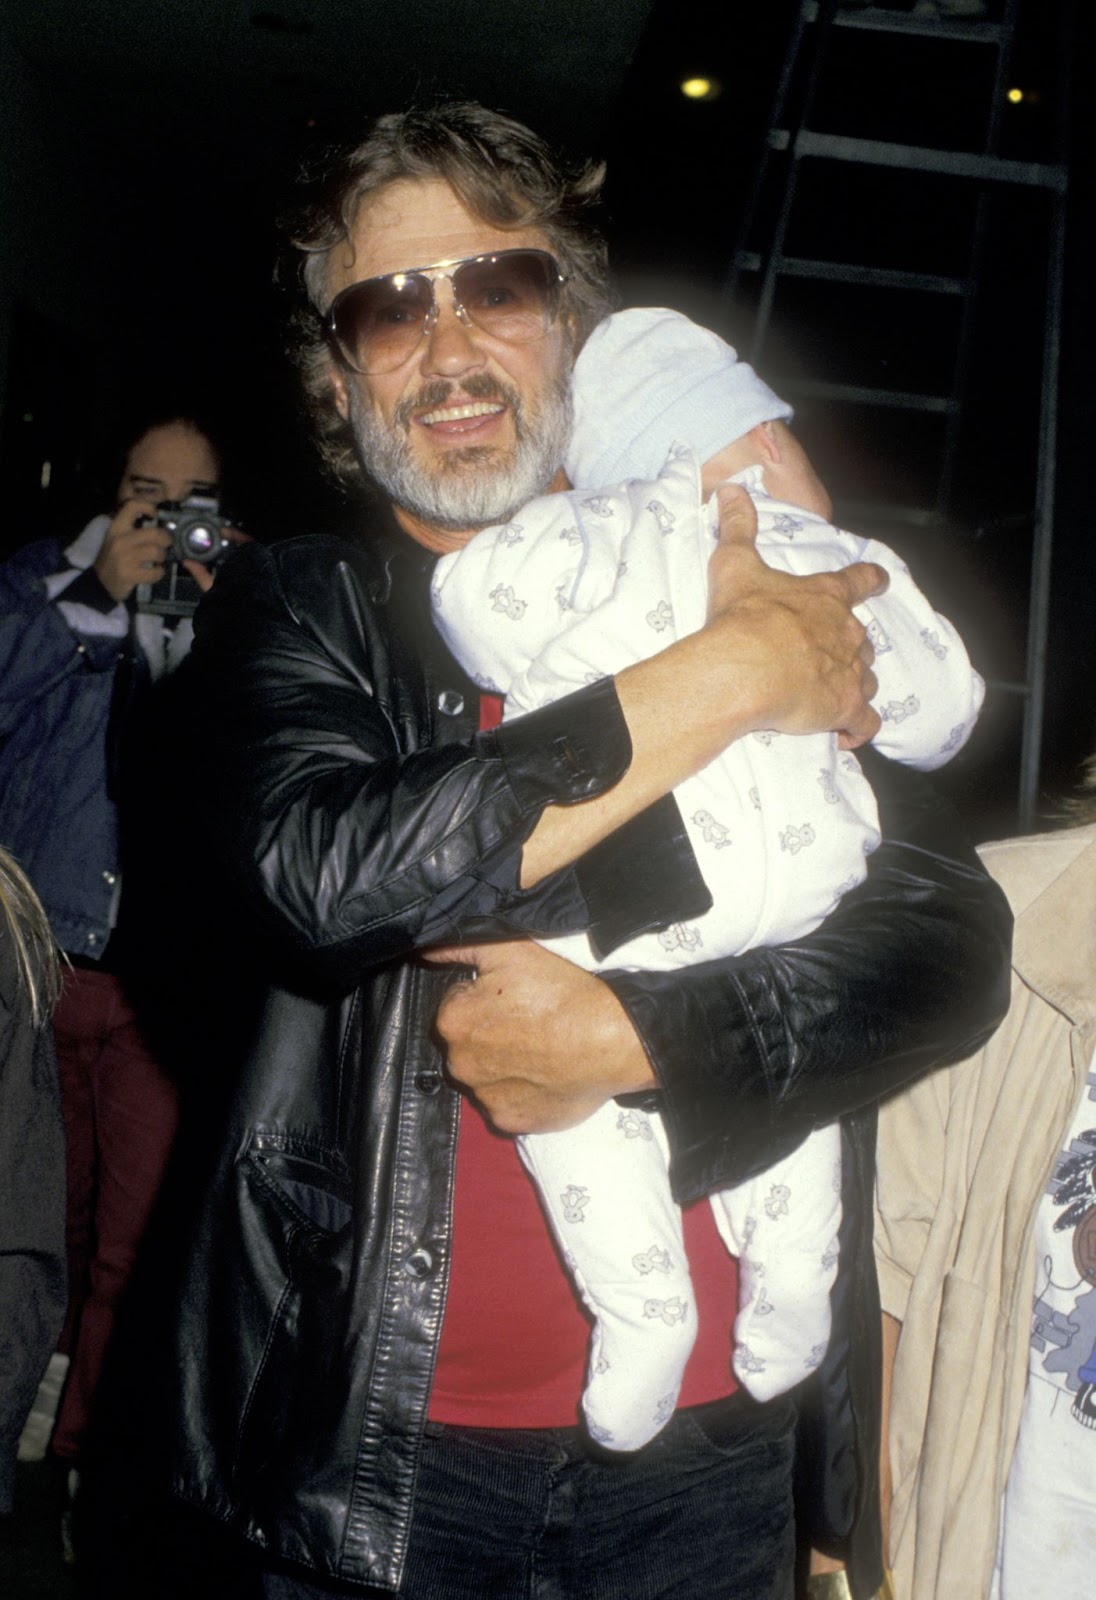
(777, 651)
(800, 655)
(132, 554)
(538, 1042)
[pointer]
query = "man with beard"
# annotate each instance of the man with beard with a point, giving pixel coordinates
(380, 1355)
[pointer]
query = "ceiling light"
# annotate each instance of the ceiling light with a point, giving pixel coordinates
(701, 89)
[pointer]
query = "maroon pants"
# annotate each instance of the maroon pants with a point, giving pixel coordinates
(120, 1112)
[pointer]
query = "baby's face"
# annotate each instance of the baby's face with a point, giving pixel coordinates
(786, 465)
(792, 477)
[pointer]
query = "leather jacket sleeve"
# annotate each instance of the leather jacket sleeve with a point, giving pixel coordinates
(360, 834)
(909, 973)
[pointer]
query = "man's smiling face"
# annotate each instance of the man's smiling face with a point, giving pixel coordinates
(469, 426)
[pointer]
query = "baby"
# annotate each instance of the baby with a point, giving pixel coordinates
(575, 587)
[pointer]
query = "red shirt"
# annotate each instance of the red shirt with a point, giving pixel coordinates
(515, 1339)
(514, 1342)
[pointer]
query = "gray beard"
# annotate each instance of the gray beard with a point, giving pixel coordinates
(468, 488)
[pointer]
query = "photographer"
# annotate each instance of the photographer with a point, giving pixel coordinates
(83, 631)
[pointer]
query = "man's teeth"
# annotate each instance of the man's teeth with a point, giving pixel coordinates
(477, 408)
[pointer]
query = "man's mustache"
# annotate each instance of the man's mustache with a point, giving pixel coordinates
(477, 386)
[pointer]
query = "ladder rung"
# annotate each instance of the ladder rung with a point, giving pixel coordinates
(1022, 689)
(873, 277)
(859, 394)
(955, 163)
(876, 20)
(862, 514)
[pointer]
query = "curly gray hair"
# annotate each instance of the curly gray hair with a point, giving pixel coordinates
(499, 169)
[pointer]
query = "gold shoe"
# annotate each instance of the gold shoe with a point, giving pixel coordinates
(835, 1586)
(828, 1586)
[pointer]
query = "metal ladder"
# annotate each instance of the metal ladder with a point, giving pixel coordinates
(764, 263)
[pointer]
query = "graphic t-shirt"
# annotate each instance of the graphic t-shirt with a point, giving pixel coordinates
(1048, 1529)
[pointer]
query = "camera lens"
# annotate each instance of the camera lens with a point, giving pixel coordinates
(199, 539)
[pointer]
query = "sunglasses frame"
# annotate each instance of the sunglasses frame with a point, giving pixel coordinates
(440, 270)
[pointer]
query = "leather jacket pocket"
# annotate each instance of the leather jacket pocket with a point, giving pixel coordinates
(295, 1215)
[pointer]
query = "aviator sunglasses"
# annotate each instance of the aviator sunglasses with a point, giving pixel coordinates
(512, 295)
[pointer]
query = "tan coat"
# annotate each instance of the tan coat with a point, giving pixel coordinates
(963, 1159)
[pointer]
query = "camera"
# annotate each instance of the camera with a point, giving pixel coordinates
(197, 529)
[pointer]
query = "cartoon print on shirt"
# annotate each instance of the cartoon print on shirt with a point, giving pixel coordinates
(1066, 1337)
(776, 1203)
(826, 784)
(931, 641)
(1075, 1360)
(663, 517)
(505, 600)
(574, 1200)
(665, 1408)
(764, 1305)
(510, 534)
(661, 617)
(634, 1125)
(794, 839)
(711, 831)
(955, 737)
(787, 525)
(599, 504)
(669, 1311)
(877, 638)
(483, 680)
(654, 1259)
(899, 710)
(680, 937)
(570, 536)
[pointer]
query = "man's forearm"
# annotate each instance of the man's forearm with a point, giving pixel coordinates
(674, 733)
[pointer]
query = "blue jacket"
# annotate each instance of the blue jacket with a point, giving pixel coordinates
(61, 640)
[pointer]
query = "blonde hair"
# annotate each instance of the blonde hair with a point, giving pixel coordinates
(37, 959)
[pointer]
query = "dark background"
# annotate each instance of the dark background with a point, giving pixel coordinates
(146, 148)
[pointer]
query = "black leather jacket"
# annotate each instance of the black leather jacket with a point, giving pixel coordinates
(363, 819)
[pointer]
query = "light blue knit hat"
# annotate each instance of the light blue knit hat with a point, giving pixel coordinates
(649, 378)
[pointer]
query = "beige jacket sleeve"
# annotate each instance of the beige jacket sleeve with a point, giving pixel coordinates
(910, 1180)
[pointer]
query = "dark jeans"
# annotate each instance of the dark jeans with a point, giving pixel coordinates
(704, 1512)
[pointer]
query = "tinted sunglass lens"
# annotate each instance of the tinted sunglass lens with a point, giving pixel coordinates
(513, 296)
(377, 322)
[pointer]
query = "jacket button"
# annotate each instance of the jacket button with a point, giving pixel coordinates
(109, 878)
(419, 1264)
(450, 703)
(428, 1082)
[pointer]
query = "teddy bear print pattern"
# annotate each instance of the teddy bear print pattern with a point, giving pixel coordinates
(580, 584)
(605, 1188)
(575, 587)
